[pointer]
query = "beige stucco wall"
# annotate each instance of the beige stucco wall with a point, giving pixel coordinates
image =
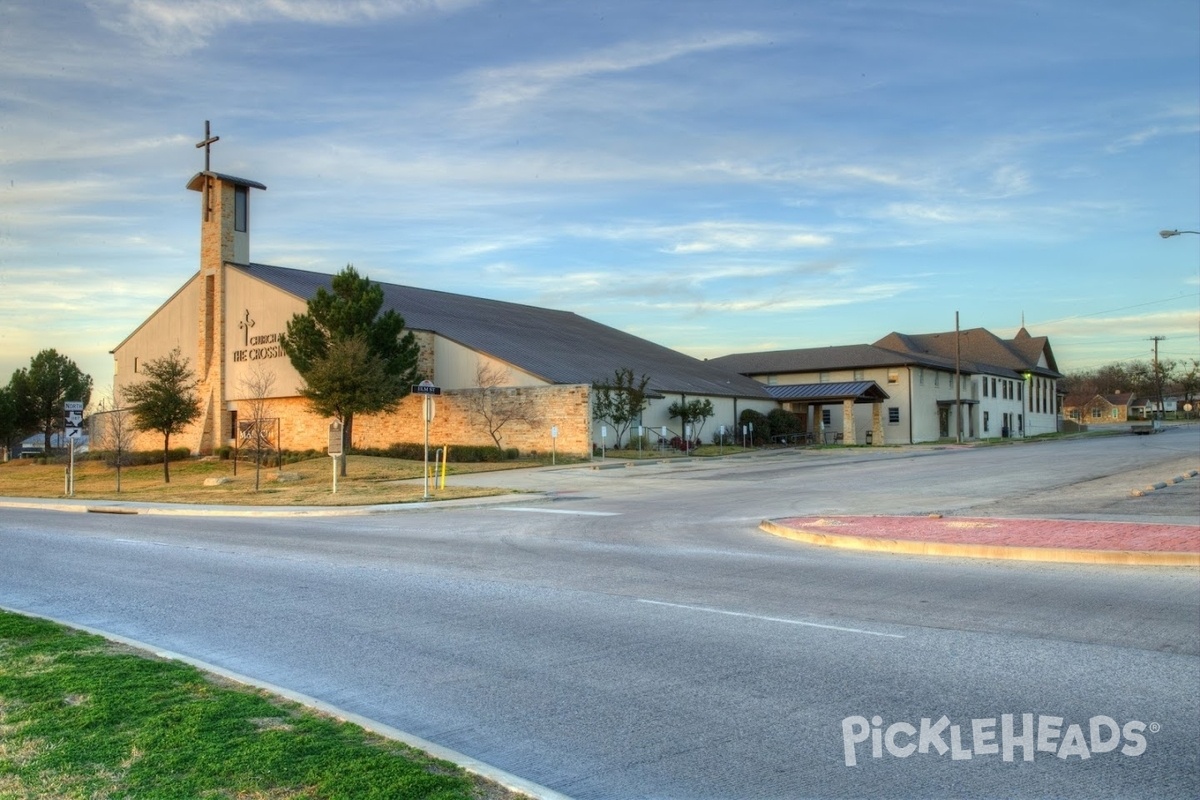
(160, 334)
(258, 314)
(458, 367)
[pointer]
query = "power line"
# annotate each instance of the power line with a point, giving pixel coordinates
(1122, 308)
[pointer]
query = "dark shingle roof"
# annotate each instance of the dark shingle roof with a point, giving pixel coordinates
(557, 346)
(979, 347)
(816, 359)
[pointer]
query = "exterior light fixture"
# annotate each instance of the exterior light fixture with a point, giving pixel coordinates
(1169, 234)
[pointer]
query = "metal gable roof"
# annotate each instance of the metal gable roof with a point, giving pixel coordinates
(195, 184)
(557, 346)
(858, 391)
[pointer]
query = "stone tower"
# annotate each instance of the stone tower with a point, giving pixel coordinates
(224, 239)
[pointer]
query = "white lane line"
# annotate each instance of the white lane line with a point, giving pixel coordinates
(562, 511)
(771, 619)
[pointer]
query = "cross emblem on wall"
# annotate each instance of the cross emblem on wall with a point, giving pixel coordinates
(245, 325)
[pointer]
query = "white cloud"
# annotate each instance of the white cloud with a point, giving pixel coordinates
(502, 86)
(182, 26)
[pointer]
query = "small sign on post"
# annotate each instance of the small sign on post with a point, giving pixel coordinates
(426, 387)
(72, 428)
(72, 418)
(335, 448)
(553, 444)
(428, 390)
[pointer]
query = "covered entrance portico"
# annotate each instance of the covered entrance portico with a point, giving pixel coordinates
(809, 401)
(947, 416)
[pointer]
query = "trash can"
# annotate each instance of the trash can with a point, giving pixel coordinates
(870, 436)
(1004, 432)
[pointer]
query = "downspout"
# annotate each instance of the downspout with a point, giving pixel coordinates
(910, 406)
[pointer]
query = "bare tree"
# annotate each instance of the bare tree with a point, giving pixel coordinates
(113, 431)
(257, 387)
(494, 405)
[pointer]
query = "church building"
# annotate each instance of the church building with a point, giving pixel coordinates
(541, 364)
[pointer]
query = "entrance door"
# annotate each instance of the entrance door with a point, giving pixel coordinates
(944, 422)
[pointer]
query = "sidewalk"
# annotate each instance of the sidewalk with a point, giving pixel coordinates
(1064, 541)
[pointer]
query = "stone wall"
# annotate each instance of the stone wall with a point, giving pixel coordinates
(538, 409)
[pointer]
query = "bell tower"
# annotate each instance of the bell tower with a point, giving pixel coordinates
(224, 239)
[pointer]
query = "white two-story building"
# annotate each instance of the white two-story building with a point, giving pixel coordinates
(906, 388)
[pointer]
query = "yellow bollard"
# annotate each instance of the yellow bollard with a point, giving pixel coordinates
(445, 458)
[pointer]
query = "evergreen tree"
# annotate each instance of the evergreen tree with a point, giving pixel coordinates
(12, 427)
(347, 324)
(165, 401)
(40, 391)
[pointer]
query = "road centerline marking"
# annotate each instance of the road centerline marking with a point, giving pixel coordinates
(771, 619)
(561, 511)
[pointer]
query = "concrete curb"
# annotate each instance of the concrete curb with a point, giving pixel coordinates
(1061, 555)
(183, 510)
(471, 765)
(1163, 484)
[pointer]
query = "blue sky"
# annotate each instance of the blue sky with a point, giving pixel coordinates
(714, 176)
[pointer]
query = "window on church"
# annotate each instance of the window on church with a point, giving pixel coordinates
(986, 418)
(823, 377)
(826, 419)
(893, 415)
(240, 208)
(893, 377)
(859, 375)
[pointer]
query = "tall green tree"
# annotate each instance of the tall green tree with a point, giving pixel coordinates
(347, 323)
(620, 399)
(12, 427)
(165, 401)
(40, 391)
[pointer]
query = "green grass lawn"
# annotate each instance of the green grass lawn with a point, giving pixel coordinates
(81, 717)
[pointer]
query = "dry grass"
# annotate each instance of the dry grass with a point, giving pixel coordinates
(370, 480)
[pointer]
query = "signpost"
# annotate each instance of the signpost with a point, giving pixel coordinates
(335, 448)
(72, 428)
(553, 444)
(429, 391)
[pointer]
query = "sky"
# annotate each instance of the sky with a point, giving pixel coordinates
(715, 176)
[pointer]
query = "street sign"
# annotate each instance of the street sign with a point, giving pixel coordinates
(72, 418)
(426, 387)
(335, 438)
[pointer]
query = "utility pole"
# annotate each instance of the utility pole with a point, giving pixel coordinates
(1158, 375)
(958, 379)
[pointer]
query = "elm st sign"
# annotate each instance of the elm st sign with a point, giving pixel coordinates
(427, 388)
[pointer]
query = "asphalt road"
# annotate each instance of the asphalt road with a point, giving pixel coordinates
(633, 634)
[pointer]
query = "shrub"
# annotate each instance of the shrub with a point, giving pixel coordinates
(782, 422)
(762, 425)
